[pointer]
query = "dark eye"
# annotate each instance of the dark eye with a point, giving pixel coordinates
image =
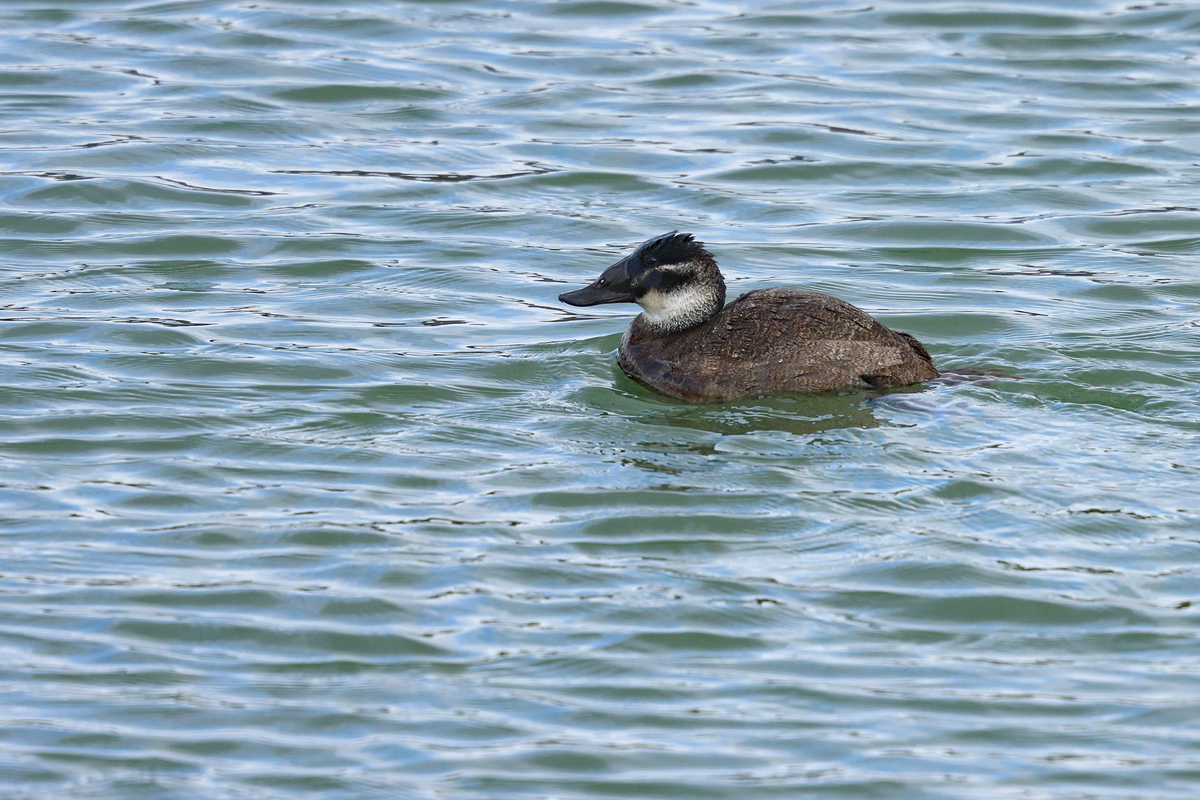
(651, 261)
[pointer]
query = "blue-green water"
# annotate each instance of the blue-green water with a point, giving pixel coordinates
(312, 489)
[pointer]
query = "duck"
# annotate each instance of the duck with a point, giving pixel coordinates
(687, 343)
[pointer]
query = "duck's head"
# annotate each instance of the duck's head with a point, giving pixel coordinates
(672, 277)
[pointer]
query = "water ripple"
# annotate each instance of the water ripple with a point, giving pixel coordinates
(311, 488)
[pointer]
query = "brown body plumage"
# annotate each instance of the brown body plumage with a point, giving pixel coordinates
(688, 344)
(774, 340)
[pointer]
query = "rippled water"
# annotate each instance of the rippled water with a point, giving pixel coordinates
(312, 489)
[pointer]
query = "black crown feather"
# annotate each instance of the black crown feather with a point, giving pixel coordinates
(669, 248)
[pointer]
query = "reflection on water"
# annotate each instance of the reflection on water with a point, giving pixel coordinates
(307, 493)
(799, 414)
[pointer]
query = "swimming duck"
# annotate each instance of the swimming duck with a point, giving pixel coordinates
(688, 344)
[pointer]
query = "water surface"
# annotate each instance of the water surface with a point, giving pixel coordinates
(312, 489)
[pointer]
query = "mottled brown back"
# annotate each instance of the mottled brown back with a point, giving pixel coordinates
(775, 340)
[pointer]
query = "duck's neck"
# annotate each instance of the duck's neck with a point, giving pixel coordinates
(683, 306)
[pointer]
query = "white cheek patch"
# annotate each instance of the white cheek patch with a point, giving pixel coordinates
(680, 308)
